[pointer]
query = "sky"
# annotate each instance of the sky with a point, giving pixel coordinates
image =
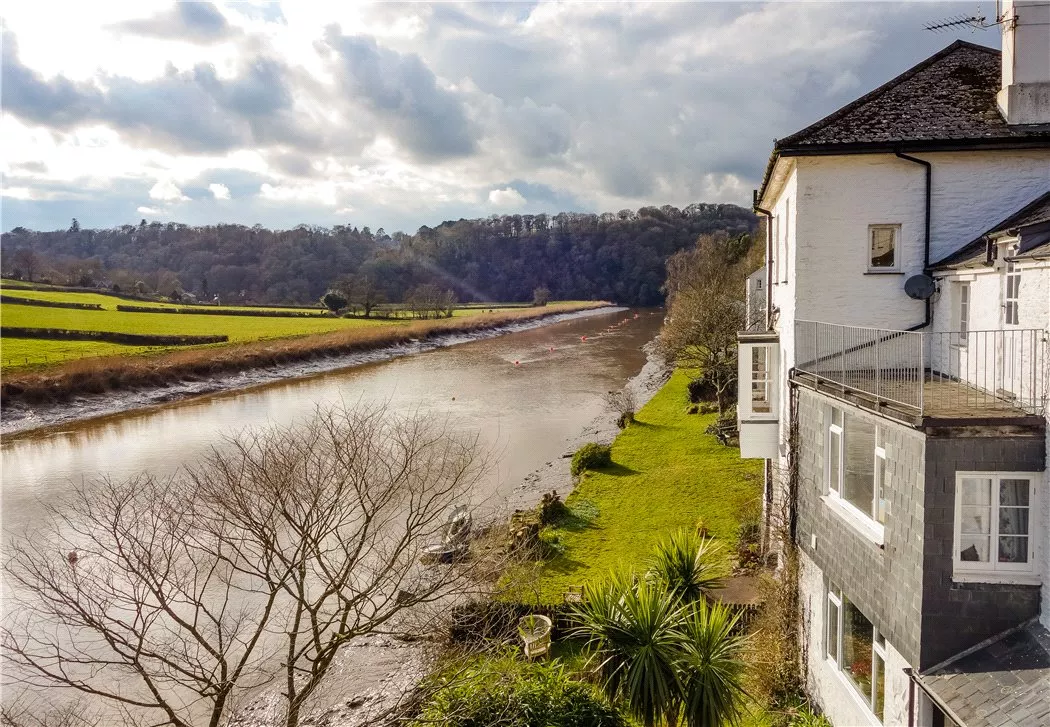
(399, 115)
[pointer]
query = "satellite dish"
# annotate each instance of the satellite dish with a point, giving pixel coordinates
(920, 287)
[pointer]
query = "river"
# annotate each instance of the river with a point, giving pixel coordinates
(529, 395)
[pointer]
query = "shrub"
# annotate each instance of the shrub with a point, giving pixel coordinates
(700, 389)
(590, 456)
(541, 296)
(513, 693)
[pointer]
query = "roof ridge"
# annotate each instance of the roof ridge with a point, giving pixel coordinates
(888, 85)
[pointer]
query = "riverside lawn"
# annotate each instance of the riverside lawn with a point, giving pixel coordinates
(667, 474)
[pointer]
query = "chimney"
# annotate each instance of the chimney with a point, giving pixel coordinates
(1025, 95)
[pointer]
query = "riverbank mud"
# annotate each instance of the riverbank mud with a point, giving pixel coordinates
(20, 416)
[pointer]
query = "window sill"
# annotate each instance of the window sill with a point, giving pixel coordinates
(867, 528)
(1003, 579)
(884, 272)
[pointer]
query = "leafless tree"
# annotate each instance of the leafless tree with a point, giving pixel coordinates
(623, 404)
(706, 310)
(173, 598)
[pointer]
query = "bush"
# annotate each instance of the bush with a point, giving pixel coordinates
(590, 456)
(513, 693)
(700, 389)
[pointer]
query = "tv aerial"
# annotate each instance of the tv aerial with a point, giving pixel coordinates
(974, 22)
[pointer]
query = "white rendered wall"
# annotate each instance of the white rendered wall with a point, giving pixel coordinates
(838, 197)
(824, 683)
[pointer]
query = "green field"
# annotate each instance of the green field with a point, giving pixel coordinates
(666, 474)
(20, 353)
(110, 302)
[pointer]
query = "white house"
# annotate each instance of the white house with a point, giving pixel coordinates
(899, 391)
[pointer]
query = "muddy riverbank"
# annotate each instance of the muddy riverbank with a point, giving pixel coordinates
(21, 414)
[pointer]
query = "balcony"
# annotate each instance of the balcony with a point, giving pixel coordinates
(915, 377)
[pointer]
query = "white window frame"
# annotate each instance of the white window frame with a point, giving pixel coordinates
(1011, 292)
(866, 522)
(835, 431)
(878, 651)
(994, 571)
(963, 311)
(869, 248)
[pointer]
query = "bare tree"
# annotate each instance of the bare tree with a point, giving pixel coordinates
(706, 310)
(172, 599)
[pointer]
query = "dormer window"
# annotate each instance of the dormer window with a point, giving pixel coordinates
(883, 248)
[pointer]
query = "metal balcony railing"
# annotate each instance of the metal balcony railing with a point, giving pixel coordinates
(953, 374)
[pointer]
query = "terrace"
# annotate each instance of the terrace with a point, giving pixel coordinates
(947, 378)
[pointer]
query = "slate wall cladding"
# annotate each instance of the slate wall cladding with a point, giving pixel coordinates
(957, 616)
(885, 582)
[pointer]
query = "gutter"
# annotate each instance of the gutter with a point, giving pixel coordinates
(928, 317)
(769, 259)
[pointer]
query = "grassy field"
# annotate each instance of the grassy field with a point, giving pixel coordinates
(666, 474)
(110, 302)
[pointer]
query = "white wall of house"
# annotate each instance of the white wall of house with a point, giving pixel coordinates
(838, 197)
(835, 696)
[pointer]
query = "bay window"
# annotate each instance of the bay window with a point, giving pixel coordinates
(994, 536)
(856, 649)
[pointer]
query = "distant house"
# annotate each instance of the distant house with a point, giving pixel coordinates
(898, 389)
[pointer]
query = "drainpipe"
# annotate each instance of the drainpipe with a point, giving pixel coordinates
(928, 318)
(769, 260)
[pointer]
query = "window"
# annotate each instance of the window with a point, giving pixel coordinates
(834, 449)
(855, 465)
(1013, 288)
(993, 533)
(760, 381)
(882, 248)
(856, 649)
(963, 313)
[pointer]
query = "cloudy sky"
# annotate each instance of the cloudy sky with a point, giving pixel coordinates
(399, 115)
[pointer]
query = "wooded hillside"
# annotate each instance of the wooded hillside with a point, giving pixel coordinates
(613, 256)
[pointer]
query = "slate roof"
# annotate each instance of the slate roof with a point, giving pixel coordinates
(1033, 217)
(947, 102)
(1004, 684)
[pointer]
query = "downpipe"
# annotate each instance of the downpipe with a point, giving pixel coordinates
(928, 317)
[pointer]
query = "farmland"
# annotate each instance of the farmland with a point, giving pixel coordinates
(43, 365)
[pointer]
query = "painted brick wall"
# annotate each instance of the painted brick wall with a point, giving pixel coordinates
(885, 582)
(958, 615)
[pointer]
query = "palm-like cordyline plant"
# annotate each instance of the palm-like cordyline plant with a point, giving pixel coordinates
(634, 632)
(689, 566)
(710, 668)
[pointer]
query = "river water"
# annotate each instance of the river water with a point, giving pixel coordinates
(526, 394)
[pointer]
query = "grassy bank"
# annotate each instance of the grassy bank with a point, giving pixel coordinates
(107, 373)
(666, 474)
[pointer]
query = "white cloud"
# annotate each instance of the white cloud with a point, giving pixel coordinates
(221, 191)
(166, 191)
(151, 211)
(508, 198)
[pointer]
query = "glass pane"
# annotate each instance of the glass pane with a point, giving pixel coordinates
(879, 707)
(834, 462)
(976, 519)
(1013, 521)
(857, 635)
(882, 247)
(836, 417)
(974, 548)
(1013, 492)
(859, 485)
(833, 631)
(1013, 550)
(976, 491)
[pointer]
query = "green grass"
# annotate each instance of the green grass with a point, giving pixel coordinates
(666, 474)
(110, 302)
